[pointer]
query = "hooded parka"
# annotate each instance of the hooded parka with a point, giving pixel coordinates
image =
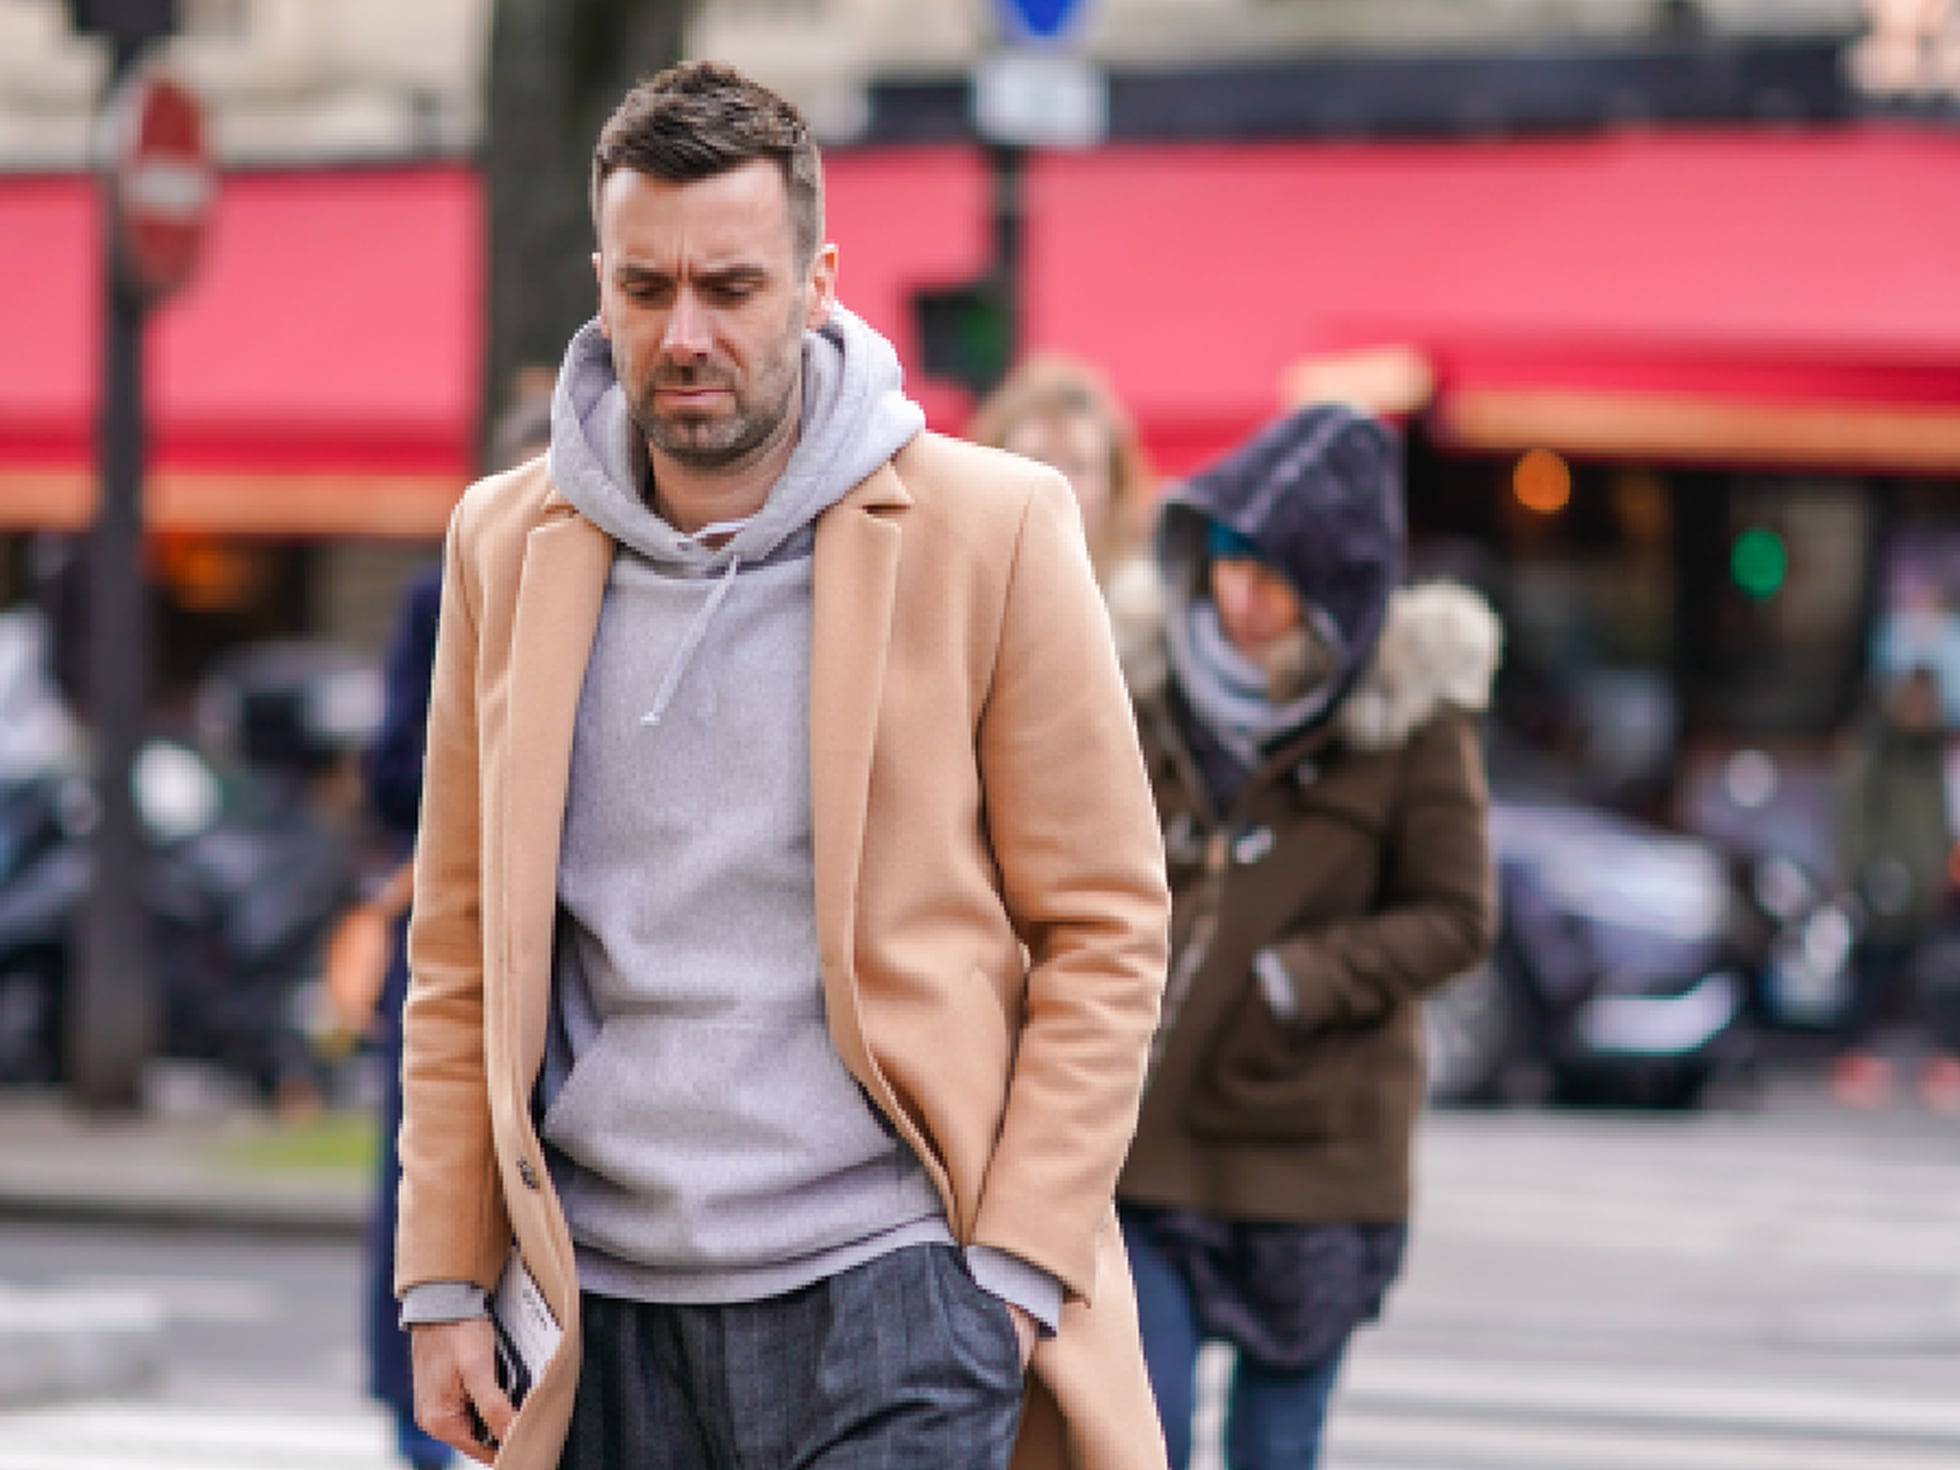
(1351, 864)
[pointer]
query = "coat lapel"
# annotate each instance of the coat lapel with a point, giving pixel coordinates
(560, 590)
(856, 584)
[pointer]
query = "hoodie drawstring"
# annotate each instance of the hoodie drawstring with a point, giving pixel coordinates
(698, 629)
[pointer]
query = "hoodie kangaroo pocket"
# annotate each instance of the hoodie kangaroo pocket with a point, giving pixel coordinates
(1268, 1082)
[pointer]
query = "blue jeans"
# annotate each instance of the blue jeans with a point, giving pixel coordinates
(1273, 1418)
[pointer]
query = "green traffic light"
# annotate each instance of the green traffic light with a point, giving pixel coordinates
(1759, 562)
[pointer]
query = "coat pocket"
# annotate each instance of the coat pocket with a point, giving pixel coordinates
(1268, 1082)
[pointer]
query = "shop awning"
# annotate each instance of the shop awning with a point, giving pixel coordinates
(907, 221)
(1764, 297)
(322, 375)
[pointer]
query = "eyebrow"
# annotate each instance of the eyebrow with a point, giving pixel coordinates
(740, 273)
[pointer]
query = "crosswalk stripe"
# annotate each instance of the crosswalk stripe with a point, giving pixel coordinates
(1363, 1441)
(202, 1299)
(1396, 1411)
(1647, 1398)
(129, 1436)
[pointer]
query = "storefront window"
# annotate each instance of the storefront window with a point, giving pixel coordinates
(1579, 561)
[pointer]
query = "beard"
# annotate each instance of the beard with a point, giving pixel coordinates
(708, 441)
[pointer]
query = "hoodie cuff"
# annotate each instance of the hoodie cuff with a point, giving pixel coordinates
(1276, 985)
(443, 1301)
(1013, 1280)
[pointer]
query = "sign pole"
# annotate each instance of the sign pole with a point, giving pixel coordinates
(156, 197)
(1030, 94)
(113, 1015)
(1008, 167)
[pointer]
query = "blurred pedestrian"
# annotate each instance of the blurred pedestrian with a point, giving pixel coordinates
(1061, 412)
(1896, 847)
(1312, 734)
(773, 742)
(394, 771)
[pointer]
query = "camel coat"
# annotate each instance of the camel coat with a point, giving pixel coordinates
(992, 911)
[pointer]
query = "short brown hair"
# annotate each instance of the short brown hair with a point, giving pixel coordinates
(700, 119)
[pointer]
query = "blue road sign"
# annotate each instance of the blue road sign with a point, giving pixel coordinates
(1040, 20)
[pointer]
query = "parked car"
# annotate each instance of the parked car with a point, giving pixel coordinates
(1632, 964)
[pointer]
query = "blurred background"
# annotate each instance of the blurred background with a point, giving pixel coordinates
(1664, 296)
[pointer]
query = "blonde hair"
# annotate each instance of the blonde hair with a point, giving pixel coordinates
(1048, 387)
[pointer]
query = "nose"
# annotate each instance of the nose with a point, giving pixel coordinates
(687, 328)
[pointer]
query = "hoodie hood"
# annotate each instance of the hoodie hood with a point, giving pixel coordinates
(855, 417)
(1319, 495)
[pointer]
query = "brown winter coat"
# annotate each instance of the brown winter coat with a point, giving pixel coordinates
(1359, 856)
(990, 898)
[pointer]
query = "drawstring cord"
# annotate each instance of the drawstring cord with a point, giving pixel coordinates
(698, 629)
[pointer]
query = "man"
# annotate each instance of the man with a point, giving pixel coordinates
(790, 914)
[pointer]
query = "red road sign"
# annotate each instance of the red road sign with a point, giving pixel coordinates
(161, 181)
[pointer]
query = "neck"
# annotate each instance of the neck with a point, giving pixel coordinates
(688, 497)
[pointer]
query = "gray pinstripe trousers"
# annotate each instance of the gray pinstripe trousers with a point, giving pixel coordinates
(902, 1363)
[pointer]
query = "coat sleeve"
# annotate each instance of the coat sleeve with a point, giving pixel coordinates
(1074, 831)
(1438, 911)
(452, 1223)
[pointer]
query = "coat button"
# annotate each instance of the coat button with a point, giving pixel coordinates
(1252, 846)
(527, 1173)
(1183, 843)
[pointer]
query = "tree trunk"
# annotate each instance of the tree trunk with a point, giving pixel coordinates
(557, 70)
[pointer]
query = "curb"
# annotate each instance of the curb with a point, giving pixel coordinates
(335, 1216)
(61, 1165)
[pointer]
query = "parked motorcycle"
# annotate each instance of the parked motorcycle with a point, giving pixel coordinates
(244, 875)
(240, 884)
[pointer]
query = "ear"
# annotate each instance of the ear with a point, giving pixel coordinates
(599, 278)
(823, 287)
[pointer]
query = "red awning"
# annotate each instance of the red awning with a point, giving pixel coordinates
(332, 343)
(1747, 297)
(322, 375)
(906, 221)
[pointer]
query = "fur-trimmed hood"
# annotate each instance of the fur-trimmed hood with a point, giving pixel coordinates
(1317, 495)
(1440, 645)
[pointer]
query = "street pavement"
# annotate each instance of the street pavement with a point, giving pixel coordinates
(1770, 1289)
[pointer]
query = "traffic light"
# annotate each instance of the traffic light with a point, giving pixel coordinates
(1759, 563)
(966, 333)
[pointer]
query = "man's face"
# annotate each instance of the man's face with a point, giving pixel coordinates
(705, 304)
